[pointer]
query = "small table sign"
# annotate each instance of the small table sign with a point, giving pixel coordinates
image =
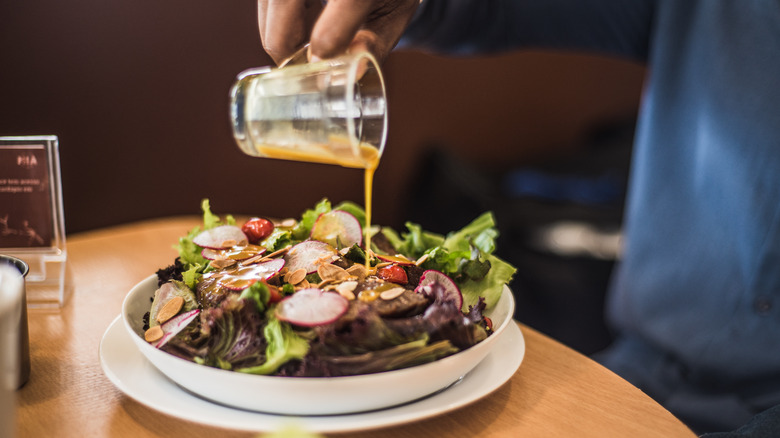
(31, 214)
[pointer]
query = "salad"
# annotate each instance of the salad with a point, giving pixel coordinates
(305, 297)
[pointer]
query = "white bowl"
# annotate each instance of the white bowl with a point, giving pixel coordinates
(309, 395)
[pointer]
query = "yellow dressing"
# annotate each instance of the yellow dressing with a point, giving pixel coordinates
(368, 184)
(338, 151)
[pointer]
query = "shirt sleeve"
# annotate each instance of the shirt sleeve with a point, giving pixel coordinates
(615, 27)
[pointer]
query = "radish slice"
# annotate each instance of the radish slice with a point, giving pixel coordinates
(210, 254)
(451, 290)
(309, 255)
(312, 307)
(245, 276)
(234, 253)
(221, 237)
(174, 325)
(338, 229)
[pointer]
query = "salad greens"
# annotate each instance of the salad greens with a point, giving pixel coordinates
(283, 345)
(386, 316)
(465, 255)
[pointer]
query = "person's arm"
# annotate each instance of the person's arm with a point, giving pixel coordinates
(616, 27)
(764, 425)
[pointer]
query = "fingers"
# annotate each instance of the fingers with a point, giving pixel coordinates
(337, 26)
(385, 26)
(284, 25)
(341, 26)
(350, 25)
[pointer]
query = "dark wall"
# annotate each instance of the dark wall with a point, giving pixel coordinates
(137, 93)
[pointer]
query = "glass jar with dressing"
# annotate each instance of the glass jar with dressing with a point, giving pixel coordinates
(332, 111)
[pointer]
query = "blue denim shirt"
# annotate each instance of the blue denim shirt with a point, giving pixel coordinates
(700, 273)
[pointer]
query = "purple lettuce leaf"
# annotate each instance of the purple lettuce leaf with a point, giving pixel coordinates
(234, 331)
(363, 342)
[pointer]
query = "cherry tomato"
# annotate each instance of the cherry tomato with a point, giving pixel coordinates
(276, 296)
(393, 274)
(257, 229)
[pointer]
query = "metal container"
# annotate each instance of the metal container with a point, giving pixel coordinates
(15, 342)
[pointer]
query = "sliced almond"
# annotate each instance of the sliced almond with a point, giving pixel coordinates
(223, 263)
(422, 259)
(296, 276)
(347, 286)
(304, 284)
(252, 260)
(278, 252)
(358, 271)
(324, 283)
(347, 294)
(391, 294)
(170, 309)
(325, 259)
(287, 223)
(229, 243)
(328, 271)
(237, 283)
(153, 334)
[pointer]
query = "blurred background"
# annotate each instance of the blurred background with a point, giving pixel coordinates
(137, 92)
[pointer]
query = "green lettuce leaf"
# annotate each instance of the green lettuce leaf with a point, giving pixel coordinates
(278, 239)
(283, 345)
(189, 252)
(490, 286)
(415, 242)
(192, 276)
(257, 293)
(480, 232)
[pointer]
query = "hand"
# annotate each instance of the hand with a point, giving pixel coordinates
(337, 27)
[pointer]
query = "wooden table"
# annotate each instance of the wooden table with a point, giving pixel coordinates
(557, 392)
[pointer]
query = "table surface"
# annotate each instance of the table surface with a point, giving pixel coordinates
(556, 392)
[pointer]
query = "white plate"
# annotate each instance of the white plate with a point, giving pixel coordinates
(324, 396)
(134, 375)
